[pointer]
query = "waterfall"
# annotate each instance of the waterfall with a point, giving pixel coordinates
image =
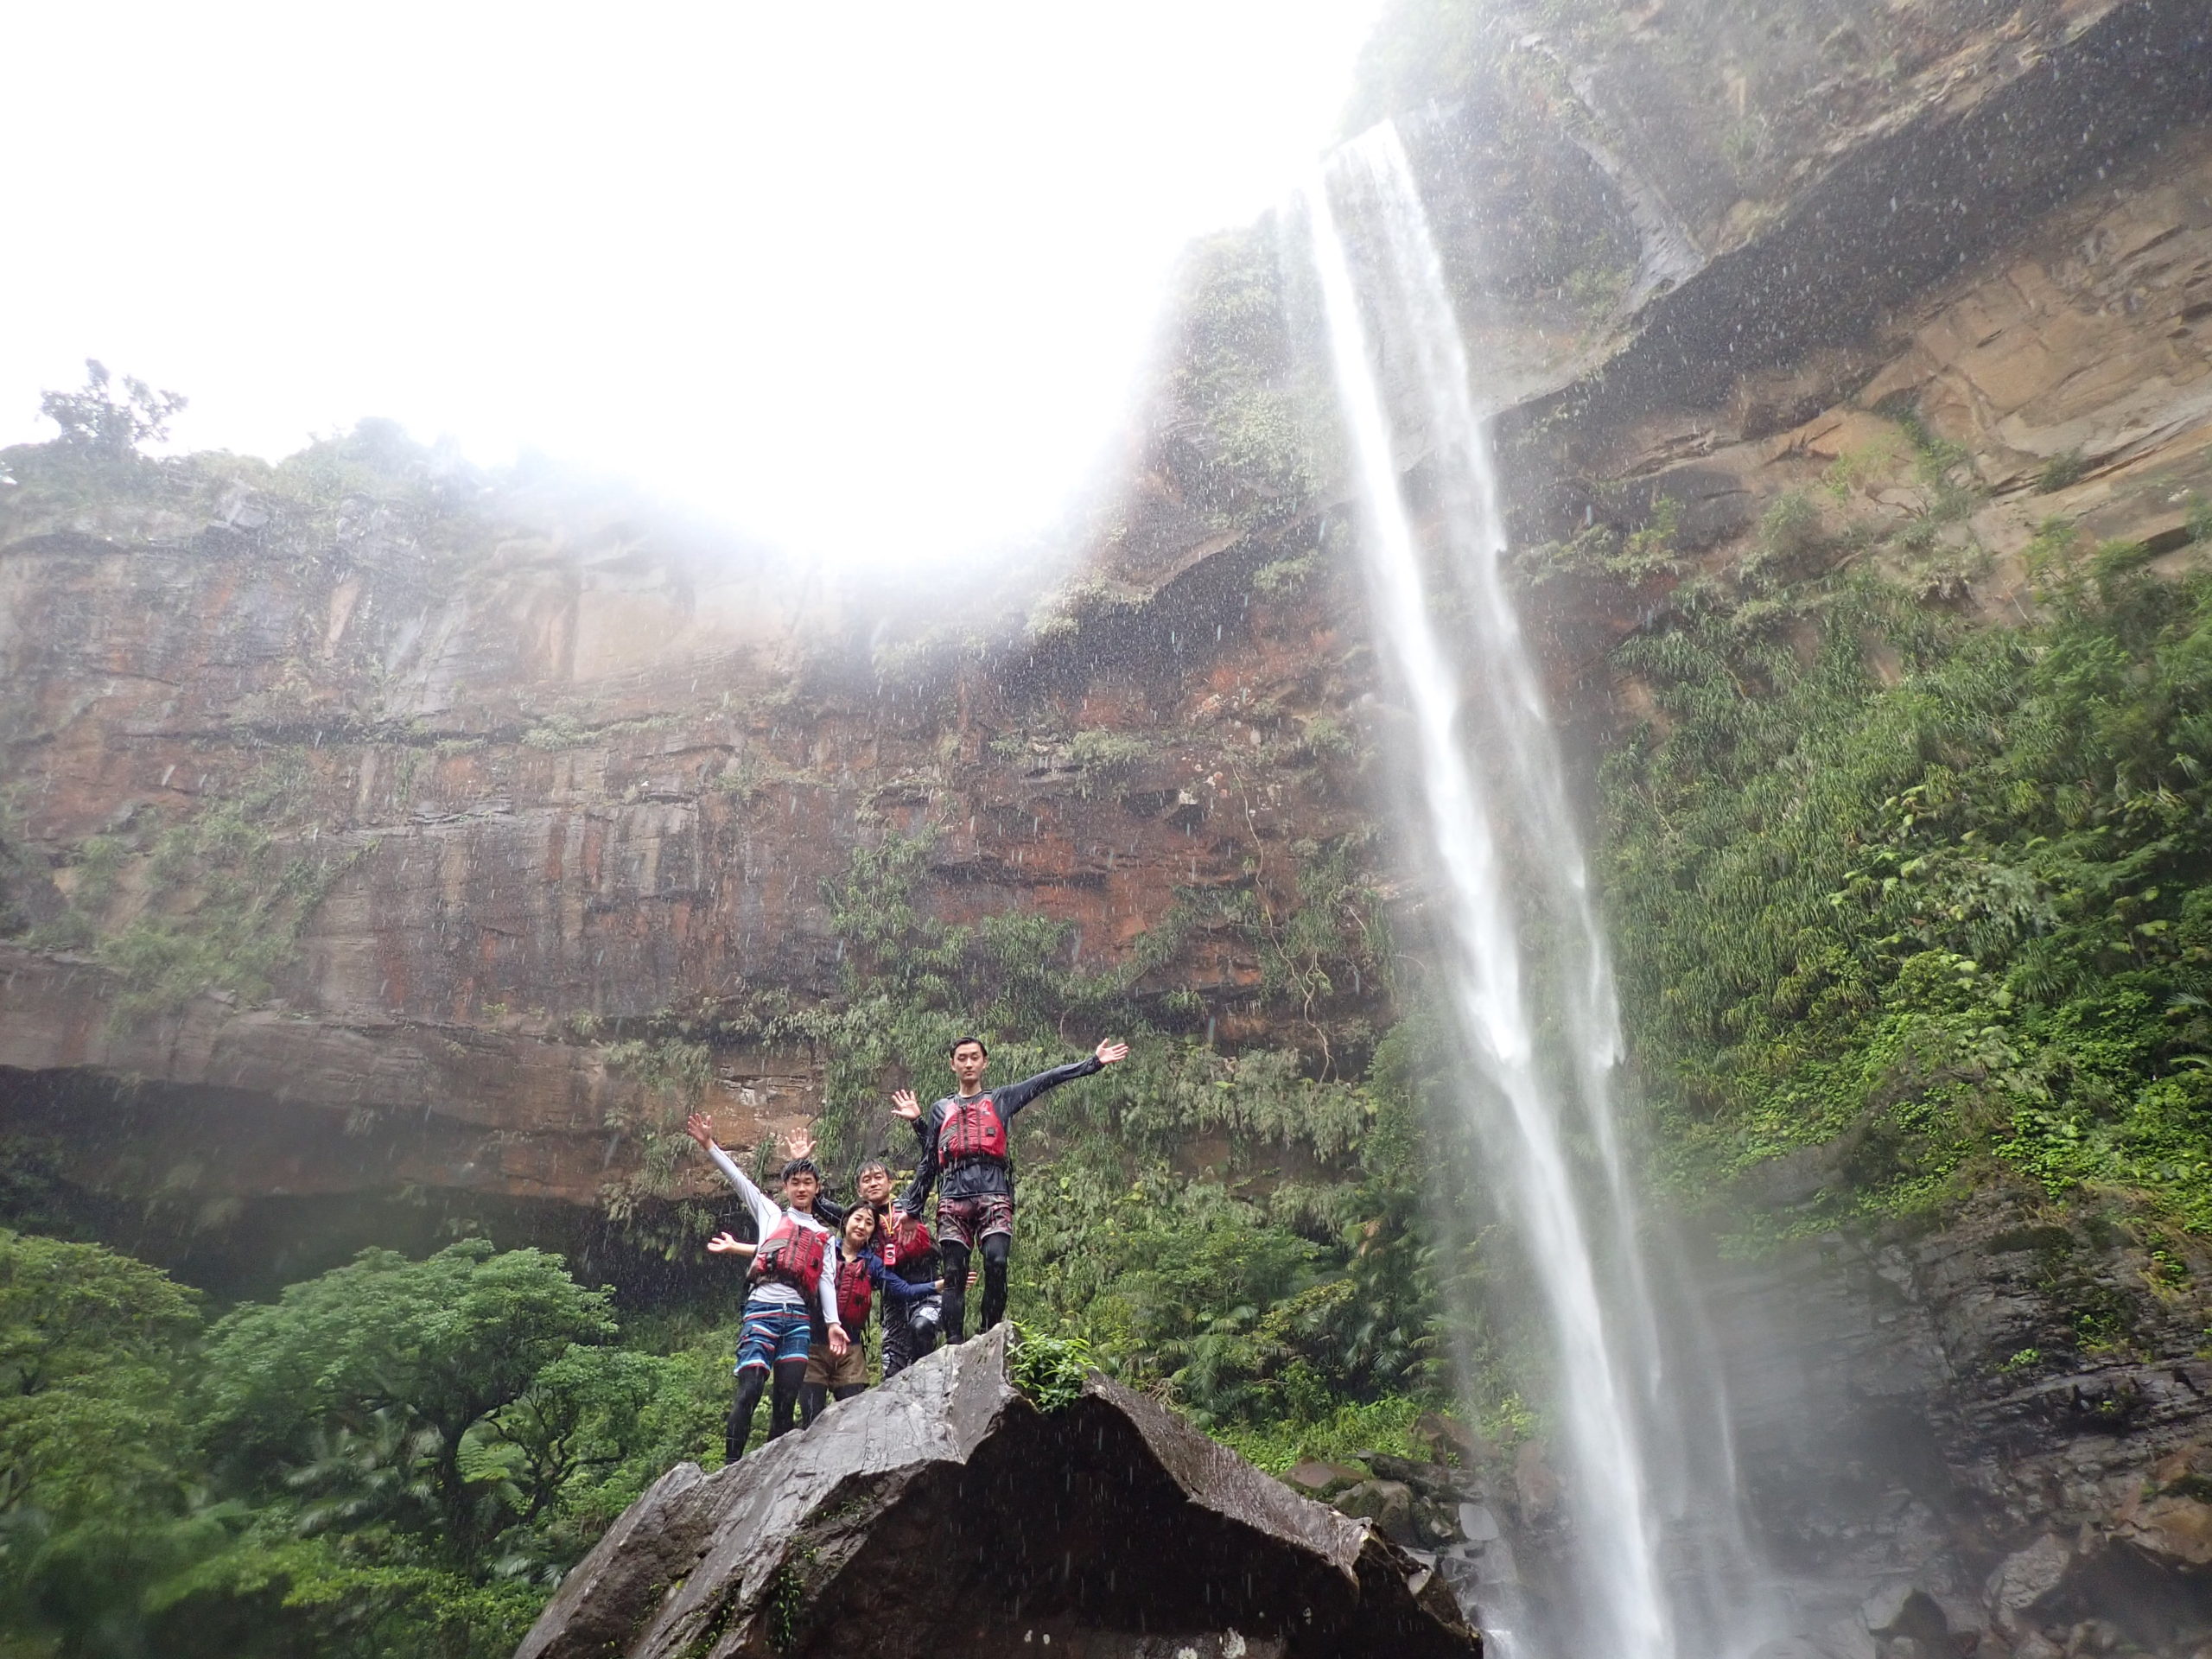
(1644, 1452)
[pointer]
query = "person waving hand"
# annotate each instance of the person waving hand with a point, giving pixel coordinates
(965, 1156)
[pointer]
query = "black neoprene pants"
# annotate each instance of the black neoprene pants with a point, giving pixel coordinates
(902, 1344)
(783, 1403)
(815, 1396)
(996, 1248)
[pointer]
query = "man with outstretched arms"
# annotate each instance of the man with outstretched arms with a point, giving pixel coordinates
(964, 1148)
(794, 1287)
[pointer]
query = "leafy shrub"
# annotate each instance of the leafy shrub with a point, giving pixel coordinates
(1050, 1370)
(1959, 921)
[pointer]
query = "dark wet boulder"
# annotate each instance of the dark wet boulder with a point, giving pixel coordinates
(944, 1514)
(1387, 1503)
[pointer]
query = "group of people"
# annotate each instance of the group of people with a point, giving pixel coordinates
(817, 1266)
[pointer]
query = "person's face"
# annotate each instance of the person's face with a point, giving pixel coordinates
(875, 1185)
(860, 1228)
(968, 1062)
(801, 1191)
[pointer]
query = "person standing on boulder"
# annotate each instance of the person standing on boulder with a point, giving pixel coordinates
(964, 1143)
(792, 1290)
(910, 1254)
(860, 1273)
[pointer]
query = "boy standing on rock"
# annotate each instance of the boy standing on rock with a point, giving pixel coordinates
(793, 1290)
(964, 1142)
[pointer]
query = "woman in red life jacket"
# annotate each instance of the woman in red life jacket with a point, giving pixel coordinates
(791, 1288)
(964, 1142)
(858, 1272)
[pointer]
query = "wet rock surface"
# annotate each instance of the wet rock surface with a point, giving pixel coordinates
(944, 1514)
(564, 786)
(1936, 1457)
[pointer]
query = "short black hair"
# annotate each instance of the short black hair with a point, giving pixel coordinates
(871, 1166)
(959, 1043)
(801, 1167)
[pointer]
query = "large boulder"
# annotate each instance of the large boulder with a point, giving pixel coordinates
(944, 1514)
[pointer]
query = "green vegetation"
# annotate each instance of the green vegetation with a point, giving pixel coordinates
(95, 425)
(1241, 1292)
(1350, 1432)
(677, 1074)
(2060, 471)
(1280, 578)
(1602, 553)
(1251, 457)
(395, 1457)
(403, 1456)
(568, 731)
(1049, 1370)
(214, 903)
(374, 478)
(1937, 899)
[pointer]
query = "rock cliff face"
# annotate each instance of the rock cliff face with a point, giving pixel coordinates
(1925, 1464)
(543, 785)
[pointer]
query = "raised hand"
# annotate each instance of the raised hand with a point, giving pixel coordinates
(729, 1244)
(700, 1128)
(903, 1104)
(1109, 1051)
(800, 1140)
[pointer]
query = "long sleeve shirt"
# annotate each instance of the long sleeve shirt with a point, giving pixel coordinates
(767, 1216)
(976, 1177)
(898, 1292)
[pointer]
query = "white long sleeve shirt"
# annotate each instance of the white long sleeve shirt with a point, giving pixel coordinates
(767, 1215)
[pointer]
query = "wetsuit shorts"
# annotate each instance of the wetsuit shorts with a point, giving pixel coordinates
(825, 1369)
(968, 1222)
(773, 1334)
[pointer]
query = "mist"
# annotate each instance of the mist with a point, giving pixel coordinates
(873, 283)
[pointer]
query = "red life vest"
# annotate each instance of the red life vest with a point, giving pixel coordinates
(856, 1295)
(973, 1128)
(918, 1243)
(793, 1255)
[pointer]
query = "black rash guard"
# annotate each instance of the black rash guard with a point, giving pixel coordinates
(976, 1177)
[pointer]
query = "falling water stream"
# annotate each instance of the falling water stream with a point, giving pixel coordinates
(1537, 1021)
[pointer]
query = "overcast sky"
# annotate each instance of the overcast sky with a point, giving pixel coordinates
(873, 279)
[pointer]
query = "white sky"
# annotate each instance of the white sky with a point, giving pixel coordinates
(869, 279)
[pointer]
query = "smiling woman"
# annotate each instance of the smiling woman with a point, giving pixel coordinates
(875, 282)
